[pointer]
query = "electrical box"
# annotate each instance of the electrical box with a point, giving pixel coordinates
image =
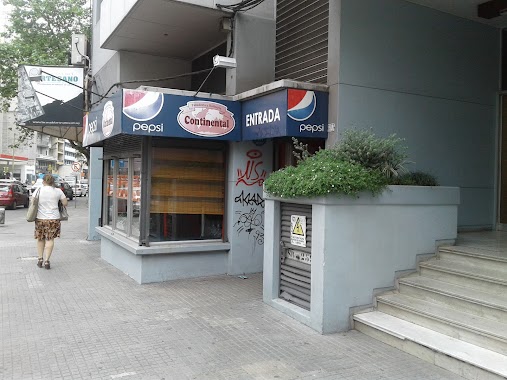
(78, 49)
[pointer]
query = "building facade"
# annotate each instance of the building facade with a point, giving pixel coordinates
(429, 74)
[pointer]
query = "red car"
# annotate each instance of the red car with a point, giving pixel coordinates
(13, 195)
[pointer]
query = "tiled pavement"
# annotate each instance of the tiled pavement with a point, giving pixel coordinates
(83, 319)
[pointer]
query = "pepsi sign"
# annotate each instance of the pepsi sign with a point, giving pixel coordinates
(103, 121)
(142, 105)
(289, 112)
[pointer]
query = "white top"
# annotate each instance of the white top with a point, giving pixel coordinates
(48, 202)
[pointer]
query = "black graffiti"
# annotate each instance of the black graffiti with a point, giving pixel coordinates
(249, 199)
(251, 223)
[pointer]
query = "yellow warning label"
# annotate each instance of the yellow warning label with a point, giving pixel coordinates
(298, 228)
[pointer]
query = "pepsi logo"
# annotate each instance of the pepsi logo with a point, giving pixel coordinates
(142, 105)
(300, 104)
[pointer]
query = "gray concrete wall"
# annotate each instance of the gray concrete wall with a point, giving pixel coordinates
(432, 78)
(248, 166)
(136, 66)
(254, 50)
(163, 263)
(358, 244)
(99, 56)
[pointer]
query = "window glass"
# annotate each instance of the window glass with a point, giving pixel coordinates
(136, 196)
(109, 171)
(122, 192)
(187, 194)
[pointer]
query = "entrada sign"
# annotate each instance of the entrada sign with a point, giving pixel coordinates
(288, 112)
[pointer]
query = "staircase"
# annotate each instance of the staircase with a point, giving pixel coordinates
(452, 312)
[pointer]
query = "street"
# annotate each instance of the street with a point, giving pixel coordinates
(84, 319)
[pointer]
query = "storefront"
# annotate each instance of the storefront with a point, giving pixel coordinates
(182, 176)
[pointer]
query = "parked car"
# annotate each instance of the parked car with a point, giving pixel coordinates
(78, 190)
(13, 195)
(84, 185)
(24, 187)
(62, 185)
(65, 187)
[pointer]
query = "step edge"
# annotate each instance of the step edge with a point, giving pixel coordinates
(450, 322)
(502, 371)
(469, 254)
(480, 302)
(463, 273)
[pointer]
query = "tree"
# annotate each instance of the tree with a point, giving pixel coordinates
(39, 33)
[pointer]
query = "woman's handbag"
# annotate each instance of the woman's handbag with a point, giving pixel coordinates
(31, 214)
(63, 211)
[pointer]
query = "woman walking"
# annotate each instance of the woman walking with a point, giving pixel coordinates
(47, 224)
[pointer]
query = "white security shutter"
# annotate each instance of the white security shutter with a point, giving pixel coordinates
(295, 263)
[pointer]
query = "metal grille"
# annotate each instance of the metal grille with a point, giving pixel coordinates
(122, 144)
(295, 263)
(302, 40)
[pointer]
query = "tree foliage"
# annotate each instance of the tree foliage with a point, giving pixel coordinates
(39, 33)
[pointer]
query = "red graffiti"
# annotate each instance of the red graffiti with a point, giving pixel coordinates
(253, 173)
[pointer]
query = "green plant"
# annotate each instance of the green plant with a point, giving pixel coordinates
(300, 150)
(322, 174)
(364, 148)
(414, 179)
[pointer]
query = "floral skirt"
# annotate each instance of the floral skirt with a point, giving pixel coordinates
(47, 229)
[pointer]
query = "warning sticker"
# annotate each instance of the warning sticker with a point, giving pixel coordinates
(298, 230)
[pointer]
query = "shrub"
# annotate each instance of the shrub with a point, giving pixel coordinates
(364, 148)
(323, 174)
(415, 179)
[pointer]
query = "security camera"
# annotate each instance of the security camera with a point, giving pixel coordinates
(225, 62)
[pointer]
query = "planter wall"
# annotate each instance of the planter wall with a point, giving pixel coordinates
(357, 246)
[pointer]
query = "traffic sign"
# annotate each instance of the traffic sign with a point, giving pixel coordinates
(76, 166)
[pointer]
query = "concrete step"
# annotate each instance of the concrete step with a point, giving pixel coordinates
(465, 274)
(480, 303)
(462, 358)
(489, 259)
(482, 332)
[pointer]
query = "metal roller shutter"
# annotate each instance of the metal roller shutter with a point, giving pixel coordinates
(122, 144)
(295, 263)
(302, 40)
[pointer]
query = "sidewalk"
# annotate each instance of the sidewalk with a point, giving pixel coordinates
(83, 319)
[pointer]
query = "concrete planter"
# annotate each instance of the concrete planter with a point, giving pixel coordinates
(358, 244)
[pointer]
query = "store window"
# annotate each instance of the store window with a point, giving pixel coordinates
(123, 195)
(109, 176)
(187, 194)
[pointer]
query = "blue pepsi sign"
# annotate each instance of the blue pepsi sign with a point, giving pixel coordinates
(289, 112)
(149, 113)
(103, 121)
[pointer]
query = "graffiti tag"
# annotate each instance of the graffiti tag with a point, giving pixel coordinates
(253, 173)
(252, 223)
(249, 199)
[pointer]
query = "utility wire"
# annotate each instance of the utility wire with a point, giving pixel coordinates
(66, 81)
(150, 80)
(204, 81)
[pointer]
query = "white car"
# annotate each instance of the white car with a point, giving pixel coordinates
(78, 190)
(36, 185)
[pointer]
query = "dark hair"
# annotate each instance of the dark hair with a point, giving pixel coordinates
(49, 179)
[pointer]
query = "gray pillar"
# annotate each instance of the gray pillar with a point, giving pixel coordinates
(333, 68)
(94, 191)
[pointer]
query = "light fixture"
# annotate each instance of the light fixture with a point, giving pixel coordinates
(225, 62)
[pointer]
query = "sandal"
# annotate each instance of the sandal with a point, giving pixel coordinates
(46, 264)
(39, 262)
